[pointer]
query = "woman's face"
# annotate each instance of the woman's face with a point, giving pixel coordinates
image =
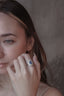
(13, 41)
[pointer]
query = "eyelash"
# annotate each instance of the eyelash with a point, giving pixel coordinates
(9, 41)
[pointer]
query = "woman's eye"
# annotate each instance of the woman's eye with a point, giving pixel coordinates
(9, 41)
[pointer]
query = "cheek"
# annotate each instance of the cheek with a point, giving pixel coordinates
(14, 51)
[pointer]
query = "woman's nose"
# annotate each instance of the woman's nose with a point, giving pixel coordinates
(1, 52)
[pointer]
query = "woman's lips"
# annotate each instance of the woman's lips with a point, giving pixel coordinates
(3, 65)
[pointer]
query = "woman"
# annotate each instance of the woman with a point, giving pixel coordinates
(22, 58)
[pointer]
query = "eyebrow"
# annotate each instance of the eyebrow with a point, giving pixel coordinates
(7, 34)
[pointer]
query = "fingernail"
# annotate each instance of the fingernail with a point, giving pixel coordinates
(35, 56)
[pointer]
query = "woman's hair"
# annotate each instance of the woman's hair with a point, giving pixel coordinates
(16, 10)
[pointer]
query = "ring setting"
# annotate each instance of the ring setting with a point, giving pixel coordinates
(30, 63)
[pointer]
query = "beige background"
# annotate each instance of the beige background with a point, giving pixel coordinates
(48, 18)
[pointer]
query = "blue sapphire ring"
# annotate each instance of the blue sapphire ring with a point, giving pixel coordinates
(30, 63)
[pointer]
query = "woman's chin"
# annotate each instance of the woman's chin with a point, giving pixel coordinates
(3, 71)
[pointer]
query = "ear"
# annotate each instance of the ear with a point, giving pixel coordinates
(30, 44)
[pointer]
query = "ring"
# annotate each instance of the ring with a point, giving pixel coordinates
(30, 63)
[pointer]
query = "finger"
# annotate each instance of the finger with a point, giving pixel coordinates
(22, 63)
(28, 59)
(16, 65)
(29, 62)
(37, 64)
(11, 65)
(11, 73)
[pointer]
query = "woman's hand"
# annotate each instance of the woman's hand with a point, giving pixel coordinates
(26, 79)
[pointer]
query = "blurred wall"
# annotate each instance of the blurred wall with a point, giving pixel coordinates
(48, 18)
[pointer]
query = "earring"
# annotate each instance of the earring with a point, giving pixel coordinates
(27, 52)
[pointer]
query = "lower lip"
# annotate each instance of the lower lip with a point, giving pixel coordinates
(2, 65)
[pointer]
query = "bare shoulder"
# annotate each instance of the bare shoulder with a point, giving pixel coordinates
(52, 92)
(46, 90)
